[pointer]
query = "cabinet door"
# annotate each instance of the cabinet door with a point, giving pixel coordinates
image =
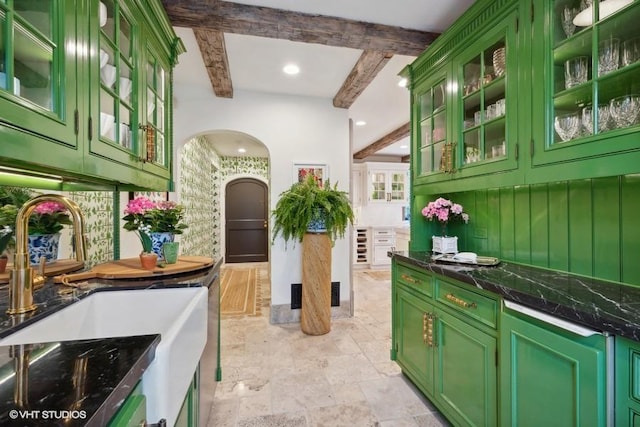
(627, 371)
(388, 186)
(542, 368)
(133, 412)
(155, 122)
(414, 338)
(588, 109)
(433, 160)
(114, 75)
(486, 117)
(38, 79)
(465, 372)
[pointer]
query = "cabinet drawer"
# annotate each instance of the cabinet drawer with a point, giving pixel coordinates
(415, 279)
(470, 303)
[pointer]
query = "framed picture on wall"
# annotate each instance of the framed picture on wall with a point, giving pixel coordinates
(318, 170)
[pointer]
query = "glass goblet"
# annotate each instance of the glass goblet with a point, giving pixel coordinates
(567, 126)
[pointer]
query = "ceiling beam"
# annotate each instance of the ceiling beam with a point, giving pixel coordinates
(393, 136)
(244, 19)
(368, 66)
(214, 55)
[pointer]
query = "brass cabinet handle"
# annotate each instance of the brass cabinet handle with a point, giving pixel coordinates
(430, 318)
(425, 327)
(460, 302)
(408, 278)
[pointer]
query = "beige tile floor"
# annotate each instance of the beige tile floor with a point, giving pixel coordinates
(274, 375)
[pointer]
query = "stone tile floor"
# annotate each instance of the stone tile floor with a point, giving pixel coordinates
(274, 375)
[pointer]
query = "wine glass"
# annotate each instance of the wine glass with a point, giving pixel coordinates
(587, 120)
(605, 121)
(576, 71)
(567, 126)
(625, 110)
(568, 13)
(608, 56)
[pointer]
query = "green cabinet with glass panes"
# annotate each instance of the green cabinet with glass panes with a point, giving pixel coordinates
(84, 89)
(511, 114)
(588, 110)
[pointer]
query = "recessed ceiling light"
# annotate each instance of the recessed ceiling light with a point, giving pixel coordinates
(241, 150)
(402, 83)
(361, 123)
(404, 146)
(291, 69)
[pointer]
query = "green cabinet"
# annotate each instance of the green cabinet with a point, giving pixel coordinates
(550, 376)
(492, 103)
(85, 90)
(189, 415)
(581, 109)
(627, 374)
(444, 348)
(133, 412)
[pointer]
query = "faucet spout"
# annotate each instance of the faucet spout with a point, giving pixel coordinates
(23, 280)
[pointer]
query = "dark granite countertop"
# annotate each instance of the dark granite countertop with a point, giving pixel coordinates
(113, 365)
(71, 383)
(597, 304)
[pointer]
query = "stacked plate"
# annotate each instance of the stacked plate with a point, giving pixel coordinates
(499, 61)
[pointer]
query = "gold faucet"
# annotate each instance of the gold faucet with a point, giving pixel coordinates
(23, 280)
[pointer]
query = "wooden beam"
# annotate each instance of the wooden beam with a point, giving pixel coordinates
(244, 19)
(405, 159)
(385, 141)
(368, 66)
(214, 55)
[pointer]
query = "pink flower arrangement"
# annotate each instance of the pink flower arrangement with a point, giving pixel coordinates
(145, 216)
(48, 218)
(444, 211)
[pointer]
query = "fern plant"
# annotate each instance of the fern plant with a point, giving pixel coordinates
(305, 202)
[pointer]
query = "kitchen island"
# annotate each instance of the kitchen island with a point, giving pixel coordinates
(90, 377)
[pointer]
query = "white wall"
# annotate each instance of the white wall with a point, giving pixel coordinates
(294, 129)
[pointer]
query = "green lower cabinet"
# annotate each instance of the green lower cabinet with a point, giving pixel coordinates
(413, 352)
(189, 415)
(627, 383)
(549, 376)
(465, 372)
(451, 362)
(133, 412)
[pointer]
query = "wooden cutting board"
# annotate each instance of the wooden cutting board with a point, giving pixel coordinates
(129, 268)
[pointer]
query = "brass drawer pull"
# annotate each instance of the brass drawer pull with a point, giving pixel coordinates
(408, 278)
(459, 301)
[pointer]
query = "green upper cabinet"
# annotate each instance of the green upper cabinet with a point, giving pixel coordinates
(588, 109)
(39, 81)
(486, 118)
(85, 89)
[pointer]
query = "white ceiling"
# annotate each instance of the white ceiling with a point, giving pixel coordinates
(256, 63)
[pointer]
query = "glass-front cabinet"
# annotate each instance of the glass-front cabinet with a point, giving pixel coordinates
(487, 113)
(435, 152)
(592, 101)
(37, 76)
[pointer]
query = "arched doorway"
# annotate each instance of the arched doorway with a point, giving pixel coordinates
(247, 221)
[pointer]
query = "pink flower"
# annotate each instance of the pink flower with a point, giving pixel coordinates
(166, 205)
(444, 210)
(45, 208)
(139, 206)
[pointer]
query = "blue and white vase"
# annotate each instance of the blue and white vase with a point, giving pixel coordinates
(159, 239)
(317, 224)
(43, 245)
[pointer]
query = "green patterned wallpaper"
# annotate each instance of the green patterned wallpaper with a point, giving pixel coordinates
(200, 194)
(97, 207)
(255, 166)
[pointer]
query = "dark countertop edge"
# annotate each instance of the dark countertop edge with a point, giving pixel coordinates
(598, 321)
(121, 391)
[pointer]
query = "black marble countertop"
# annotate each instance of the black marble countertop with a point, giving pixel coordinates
(113, 365)
(597, 304)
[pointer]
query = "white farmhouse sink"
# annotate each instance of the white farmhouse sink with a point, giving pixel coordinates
(179, 315)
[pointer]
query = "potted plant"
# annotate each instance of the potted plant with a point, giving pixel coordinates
(11, 199)
(309, 207)
(156, 223)
(45, 223)
(444, 211)
(316, 215)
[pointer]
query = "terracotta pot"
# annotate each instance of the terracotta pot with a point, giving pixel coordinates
(148, 261)
(3, 264)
